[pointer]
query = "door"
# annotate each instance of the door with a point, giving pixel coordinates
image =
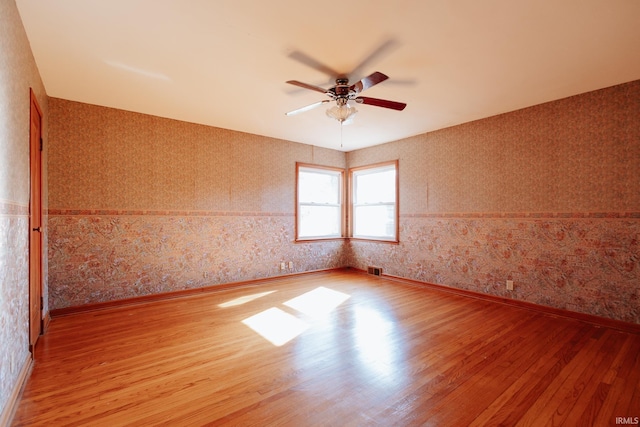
(35, 225)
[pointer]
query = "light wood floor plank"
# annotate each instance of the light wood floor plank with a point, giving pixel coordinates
(389, 354)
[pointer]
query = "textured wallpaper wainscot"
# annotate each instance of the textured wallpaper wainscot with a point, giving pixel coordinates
(588, 263)
(14, 292)
(105, 256)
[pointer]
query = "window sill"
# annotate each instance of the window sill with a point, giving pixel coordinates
(318, 239)
(374, 240)
(360, 239)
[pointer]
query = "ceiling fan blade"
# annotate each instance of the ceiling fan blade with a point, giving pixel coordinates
(307, 108)
(368, 81)
(307, 86)
(381, 103)
(376, 55)
(313, 63)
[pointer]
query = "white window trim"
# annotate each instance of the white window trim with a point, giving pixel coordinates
(352, 205)
(331, 171)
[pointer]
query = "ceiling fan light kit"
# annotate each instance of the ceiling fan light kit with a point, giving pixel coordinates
(342, 93)
(342, 113)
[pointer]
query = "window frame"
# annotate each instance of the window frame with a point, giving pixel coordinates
(351, 211)
(341, 198)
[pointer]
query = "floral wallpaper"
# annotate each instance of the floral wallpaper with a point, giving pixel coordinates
(14, 292)
(582, 263)
(104, 256)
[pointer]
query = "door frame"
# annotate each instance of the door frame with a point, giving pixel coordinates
(36, 303)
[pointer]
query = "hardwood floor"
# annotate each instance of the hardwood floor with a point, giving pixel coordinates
(368, 352)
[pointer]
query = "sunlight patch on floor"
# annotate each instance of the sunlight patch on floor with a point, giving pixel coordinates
(318, 302)
(243, 300)
(277, 326)
(280, 327)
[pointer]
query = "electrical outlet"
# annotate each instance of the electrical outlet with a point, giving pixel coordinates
(290, 265)
(282, 266)
(205, 274)
(376, 271)
(509, 285)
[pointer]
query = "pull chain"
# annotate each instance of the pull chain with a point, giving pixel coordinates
(340, 134)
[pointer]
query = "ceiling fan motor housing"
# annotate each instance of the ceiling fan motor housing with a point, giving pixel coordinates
(342, 88)
(342, 93)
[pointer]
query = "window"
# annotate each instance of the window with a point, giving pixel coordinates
(319, 202)
(320, 207)
(374, 202)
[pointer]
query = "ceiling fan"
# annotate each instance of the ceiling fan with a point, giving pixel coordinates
(342, 93)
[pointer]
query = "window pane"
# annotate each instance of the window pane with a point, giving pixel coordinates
(374, 221)
(374, 203)
(376, 187)
(319, 221)
(319, 202)
(318, 187)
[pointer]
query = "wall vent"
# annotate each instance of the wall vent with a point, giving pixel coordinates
(376, 271)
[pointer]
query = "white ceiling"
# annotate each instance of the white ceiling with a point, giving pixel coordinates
(224, 63)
